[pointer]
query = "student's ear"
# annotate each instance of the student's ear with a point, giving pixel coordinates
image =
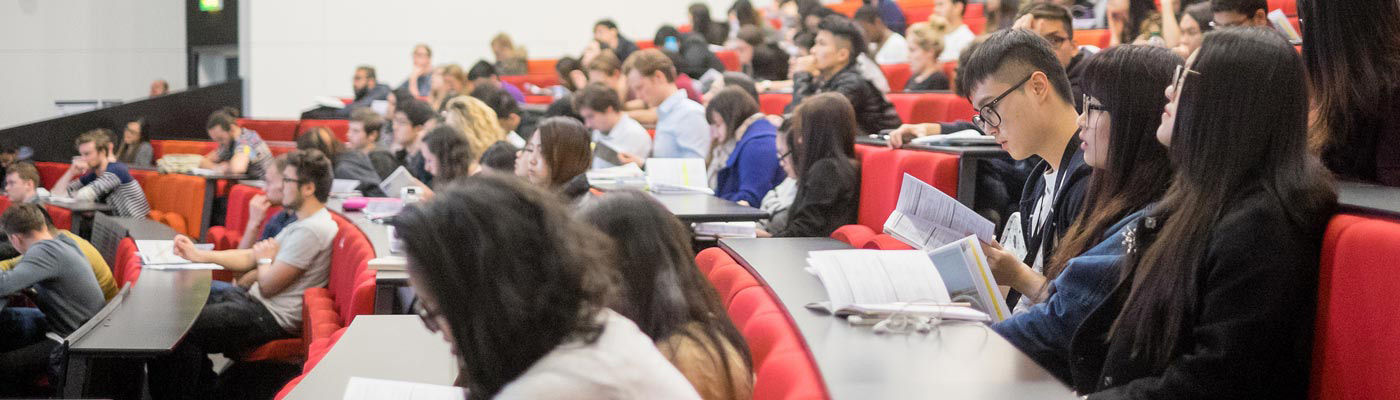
(514, 120)
(1039, 86)
(1261, 17)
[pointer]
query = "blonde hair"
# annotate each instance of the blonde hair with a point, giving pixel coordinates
(929, 35)
(476, 121)
(503, 40)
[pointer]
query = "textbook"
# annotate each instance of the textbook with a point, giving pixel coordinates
(926, 218)
(160, 254)
(360, 388)
(678, 175)
(628, 176)
(396, 181)
(738, 229)
(968, 137)
(860, 281)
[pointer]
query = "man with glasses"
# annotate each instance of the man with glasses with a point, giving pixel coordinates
(1022, 96)
(232, 321)
(1053, 22)
(1233, 13)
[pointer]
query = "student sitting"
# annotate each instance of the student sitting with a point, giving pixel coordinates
(483, 73)
(925, 42)
(475, 121)
(778, 201)
(1236, 13)
(241, 151)
(419, 82)
(606, 33)
(557, 158)
(759, 57)
(526, 324)
(889, 46)
(366, 127)
(822, 147)
(410, 124)
(510, 59)
(1131, 170)
(235, 320)
(259, 205)
(500, 157)
(135, 148)
(665, 294)
(22, 184)
(507, 110)
(1022, 96)
(448, 156)
(832, 68)
(743, 162)
(348, 164)
(65, 291)
(100, 269)
(680, 125)
(1217, 301)
(101, 181)
(602, 112)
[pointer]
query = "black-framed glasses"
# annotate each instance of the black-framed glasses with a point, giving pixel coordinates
(1092, 110)
(1179, 77)
(785, 155)
(988, 117)
(429, 318)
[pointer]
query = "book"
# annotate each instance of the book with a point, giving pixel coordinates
(968, 137)
(359, 388)
(926, 218)
(160, 254)
(678, 175)
(628, 176)
(1280, 22)
(344, 186)
(858, 281)
(397, 180)
(739, 229)
(389, 263)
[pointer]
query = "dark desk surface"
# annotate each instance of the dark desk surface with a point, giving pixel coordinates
(956, 361)
(699, 207)
(151, 317)
(81, 206)
(393, 347)
(1369, 198)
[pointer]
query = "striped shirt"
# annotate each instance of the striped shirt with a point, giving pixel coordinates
(115, 187)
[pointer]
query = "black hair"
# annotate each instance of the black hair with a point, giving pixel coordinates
(564, 67)
(1201, 13)
(1246, 7)
(733, 106)
(1009, 56)
(607, 23)
(843, 28)
(369, 72)
(481, 69)
(402, 95)
(507, 308)
(827, 127)
(321, 138)
(664, 32)
(417, 111)
(660, 288)
(1139, 11)
(499, 156)
(742, 81)
(805, 40)
(453, 152)
(1052, 12)
(126, 152)
(1352, 55)
(562, 107)
(225, 118)
(959, 78)
(314, 168)
(597, 96)
(744, 11)
(867, 13)
(498, 99)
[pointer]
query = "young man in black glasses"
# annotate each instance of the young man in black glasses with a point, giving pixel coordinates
(1022, 96)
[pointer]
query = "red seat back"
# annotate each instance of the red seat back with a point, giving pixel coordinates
(62, 218)
(180, 198)
(541, 66)
(882, 174)
(1356, 349)
(974, 18)
(160, 148)
(730, 60)
(917, 108)
(773, 103)
(236, 219)
(897, 75)
(1289, 7)
(1091, 37)
(272, 129)
(49, 172)
(350, 256)
(789, 375)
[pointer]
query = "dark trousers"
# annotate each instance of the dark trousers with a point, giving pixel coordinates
(232, 321)
(24, 351)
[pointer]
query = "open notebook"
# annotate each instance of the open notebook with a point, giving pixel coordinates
(678, 175)
(160, 254)
(864, 281)
(926, 218)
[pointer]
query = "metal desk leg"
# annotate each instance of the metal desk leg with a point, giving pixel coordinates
(210, 186)
(967, 180)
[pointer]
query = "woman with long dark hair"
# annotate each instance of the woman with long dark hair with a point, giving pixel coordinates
(557, 157)
(822, 147)
(449, 155)
(135, 148)
(526, 324)
(1217, 293)
(700, 23)
(742, 163)
(1123, 106)
(1352, 54)
(665, 294)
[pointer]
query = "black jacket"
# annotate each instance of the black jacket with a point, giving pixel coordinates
(1249, 335)
(873, 112)
(1073, 183)
(937, 81)
(696, 57)
(828, 197)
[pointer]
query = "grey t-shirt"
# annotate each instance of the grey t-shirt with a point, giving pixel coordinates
(67, 291)
(305, 244)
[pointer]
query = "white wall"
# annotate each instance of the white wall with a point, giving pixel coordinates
(85, 49)
(294, 50)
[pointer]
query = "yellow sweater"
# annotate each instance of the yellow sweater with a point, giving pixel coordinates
(99, 265)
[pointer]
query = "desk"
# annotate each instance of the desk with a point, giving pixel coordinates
(83, 213)
(394, 347)
(1369, 198)
(108, 232)
(387, 283)
(968, 156)
(146, 320)
(957, 361)
(700, 207)
(211, 188)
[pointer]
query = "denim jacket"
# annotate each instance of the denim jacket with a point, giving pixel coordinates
(1044, 331)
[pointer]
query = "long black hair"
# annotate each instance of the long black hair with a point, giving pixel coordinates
(1128, 80)
(1352, 54)
(453, 152)
(823, 126)
(1241, 122)
(660, 288)
(733, 106)
(127, 152)
(511, 272)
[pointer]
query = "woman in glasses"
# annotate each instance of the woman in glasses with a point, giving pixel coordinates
(1216, 298)
(821, 148)
(526, 324)
(1123, 107)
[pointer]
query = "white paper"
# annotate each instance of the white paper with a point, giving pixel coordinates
(344, 185)
(397, 180)
(379, 389)
(877, 277)
(926, 218)
(678, 175)
(1280, 22)
(390, 263)
(158, 252)
(963, 137)
(189, 266)
(741, 229)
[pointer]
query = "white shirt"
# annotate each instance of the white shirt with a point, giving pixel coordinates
(622, 364)
(627, 136)
(954, 43)
(1038, 220)
(895, 50)
(871, 71)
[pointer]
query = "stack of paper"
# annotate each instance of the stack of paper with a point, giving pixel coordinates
(624, 176)
(678, 175)
(160, 254)
(379, 389)
(742, 229)
(925, 218)
(865, 281)
(967, 137)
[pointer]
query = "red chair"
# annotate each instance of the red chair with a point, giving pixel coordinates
(645, 44)
(882, 174)
(864, 151)
(730, 60)
(885, 242)
(62, 218)
(789, 375)
(773, 103)
(339, 127)
(854, 235)
(1356, 346)
(916, 108)
(898, 75)
(751, 301)
(350, 291)
(1289, 7)
(178, 202)
(4, 203)
(917, 14)
(974, 18)
(235, 220)
(1092, 37)
(160, 148)
(847, 8)
(950, 68)
(769, 332)
(272, 129)
(542, 66)
(708, 258)
(49, 172)
(126, 266)
(728, 279)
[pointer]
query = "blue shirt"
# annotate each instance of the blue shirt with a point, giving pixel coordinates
(752, 169)
(681, 129)
(1045, 330)
(274, 226)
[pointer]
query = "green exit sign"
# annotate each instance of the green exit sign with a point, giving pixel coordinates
(211, 5)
